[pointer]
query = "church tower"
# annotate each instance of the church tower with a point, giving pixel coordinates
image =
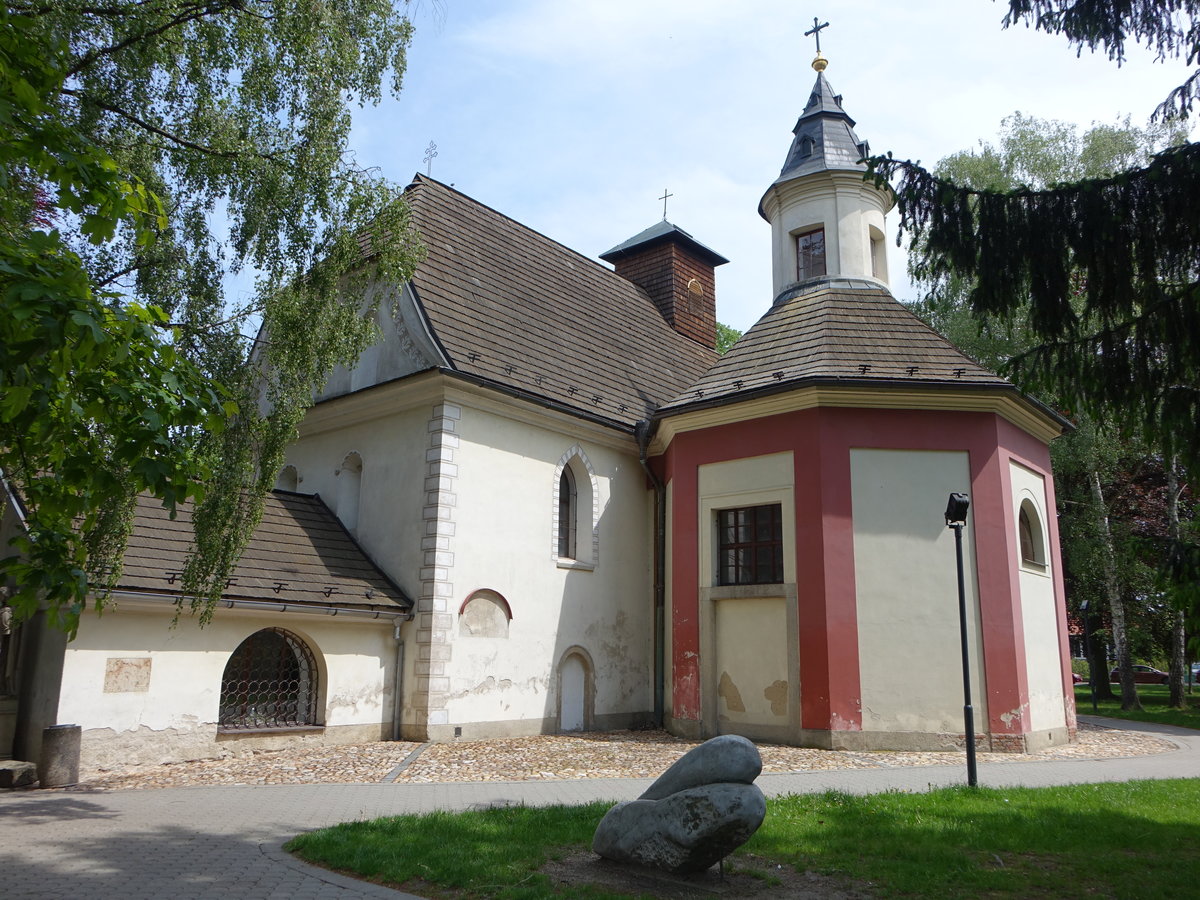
(825, 220)
(811, 576)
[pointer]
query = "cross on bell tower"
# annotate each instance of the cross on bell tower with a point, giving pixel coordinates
(819, 61)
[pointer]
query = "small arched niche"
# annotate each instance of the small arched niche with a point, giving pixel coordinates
(288, 479)
(349, 490)
(1032, 536)
(485, 613)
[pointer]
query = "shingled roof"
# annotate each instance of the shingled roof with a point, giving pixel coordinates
(300, 554)
(848, 331)
(516, 310)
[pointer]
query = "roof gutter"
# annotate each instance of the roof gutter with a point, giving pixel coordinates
(374, 613)
(781, 387)
(537, 400)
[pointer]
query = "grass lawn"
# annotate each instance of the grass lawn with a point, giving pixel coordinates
(1140, 839)
(1154, 701)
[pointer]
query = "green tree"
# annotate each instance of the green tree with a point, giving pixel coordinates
(148, 149)
(726, 338)
(1104, 555)
(1102, 269)
(1124, 245)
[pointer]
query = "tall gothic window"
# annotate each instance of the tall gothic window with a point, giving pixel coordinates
(568, 513)
(270, 681)
(810, 254)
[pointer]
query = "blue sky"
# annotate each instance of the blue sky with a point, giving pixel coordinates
(572, 116)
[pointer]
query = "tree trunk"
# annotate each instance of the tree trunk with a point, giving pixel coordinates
(1098, 659)
(1179, 665)
(1116, 603)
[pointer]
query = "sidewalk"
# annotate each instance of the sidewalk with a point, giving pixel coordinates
(221, 842)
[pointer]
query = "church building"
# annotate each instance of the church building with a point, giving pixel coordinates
(542, 503)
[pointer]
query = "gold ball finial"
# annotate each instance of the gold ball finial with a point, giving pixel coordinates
(820, 63)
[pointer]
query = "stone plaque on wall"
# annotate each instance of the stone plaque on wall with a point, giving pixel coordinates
(124, 674)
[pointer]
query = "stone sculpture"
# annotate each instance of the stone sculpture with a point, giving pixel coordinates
(699, 810)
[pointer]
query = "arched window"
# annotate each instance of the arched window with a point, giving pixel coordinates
(878, 254)
(288, 479)
(270, 681)
(1032, 540)
(575, 540)
(349, 490)
(568, 513)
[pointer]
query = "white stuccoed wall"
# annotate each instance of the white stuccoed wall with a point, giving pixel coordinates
(907, 587)
(173, 714)
(849, 210)
(507, 471)
(1039, 614)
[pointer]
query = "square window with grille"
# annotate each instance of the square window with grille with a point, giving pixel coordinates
(750, 545)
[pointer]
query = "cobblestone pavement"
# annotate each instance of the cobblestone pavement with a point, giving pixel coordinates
(621, 754)
(216, 842)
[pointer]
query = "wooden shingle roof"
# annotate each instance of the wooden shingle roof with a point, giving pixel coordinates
(514, 309)
(299, 553)
(847, 331)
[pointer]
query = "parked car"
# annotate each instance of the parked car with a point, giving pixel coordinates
(1076, 678)
(1143, 675)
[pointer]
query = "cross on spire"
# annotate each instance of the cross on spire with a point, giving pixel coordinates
(663, 198)
(816, 31)
(430, 153)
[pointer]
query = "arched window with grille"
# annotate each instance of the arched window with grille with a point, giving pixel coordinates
(270, 681)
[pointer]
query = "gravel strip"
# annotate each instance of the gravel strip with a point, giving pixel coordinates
(618, 754)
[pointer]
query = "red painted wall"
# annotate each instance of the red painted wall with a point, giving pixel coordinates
(821, 441)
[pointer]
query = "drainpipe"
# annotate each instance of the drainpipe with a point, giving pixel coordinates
(643, 432)
(398, 680)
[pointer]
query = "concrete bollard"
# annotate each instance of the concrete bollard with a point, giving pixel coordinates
(58, 763)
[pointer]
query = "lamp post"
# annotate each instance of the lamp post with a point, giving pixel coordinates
(956, 518)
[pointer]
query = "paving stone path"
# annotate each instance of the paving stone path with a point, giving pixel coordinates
(223, 841)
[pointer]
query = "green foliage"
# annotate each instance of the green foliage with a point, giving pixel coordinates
(146, 150)
(726, 338)
(1126, 527)
(1098, 267)
(95, 404)
(1134, 839)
